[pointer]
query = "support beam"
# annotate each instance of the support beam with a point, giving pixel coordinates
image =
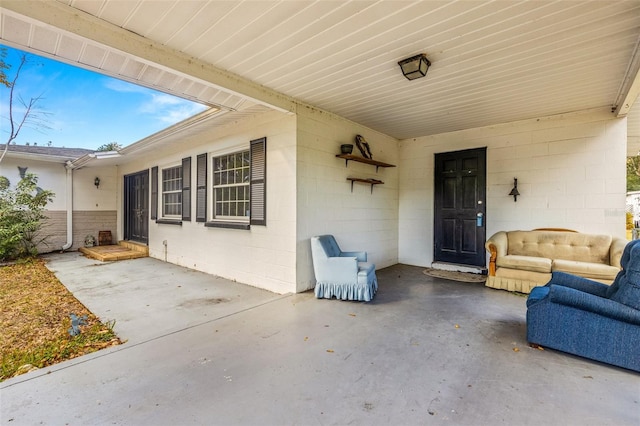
(630, 87)
(75, 21)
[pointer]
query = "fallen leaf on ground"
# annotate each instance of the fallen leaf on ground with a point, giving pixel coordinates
(34, 320)
(330, 351)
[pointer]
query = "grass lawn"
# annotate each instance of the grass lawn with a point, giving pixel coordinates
(35, 322)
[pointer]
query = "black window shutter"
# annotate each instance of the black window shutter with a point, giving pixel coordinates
(201, 188)
(186, 189)
(154, 193)
(258, 201)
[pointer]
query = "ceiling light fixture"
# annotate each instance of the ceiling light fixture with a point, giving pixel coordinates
(415, 67)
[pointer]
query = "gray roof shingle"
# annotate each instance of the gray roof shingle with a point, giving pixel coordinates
(68, 153)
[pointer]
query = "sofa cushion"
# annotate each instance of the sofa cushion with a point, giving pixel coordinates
(628, 294)
(560, 245)
(585, 269)
(628, 284)
(367, 268)
(525, 263)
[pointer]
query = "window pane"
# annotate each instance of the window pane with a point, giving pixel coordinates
(172, 191)
(231, 185)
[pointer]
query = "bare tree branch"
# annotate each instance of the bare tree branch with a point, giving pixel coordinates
(30, 116)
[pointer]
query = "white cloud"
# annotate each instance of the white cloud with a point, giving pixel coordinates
(124, 87)
(159, 106)
(170, 109)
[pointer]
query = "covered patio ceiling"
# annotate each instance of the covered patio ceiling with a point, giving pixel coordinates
(492, 62)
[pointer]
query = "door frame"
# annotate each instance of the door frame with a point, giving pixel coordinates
(477, 258)
(128, 209)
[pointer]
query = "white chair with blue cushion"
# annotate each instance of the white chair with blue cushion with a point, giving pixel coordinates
(343, 274)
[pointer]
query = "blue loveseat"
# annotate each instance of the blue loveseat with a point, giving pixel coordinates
(590, 319)
(345, 275)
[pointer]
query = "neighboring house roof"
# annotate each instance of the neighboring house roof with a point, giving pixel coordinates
(46, 153)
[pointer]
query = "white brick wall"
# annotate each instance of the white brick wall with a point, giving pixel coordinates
(264, 256)
(570, 169)
(360, 220)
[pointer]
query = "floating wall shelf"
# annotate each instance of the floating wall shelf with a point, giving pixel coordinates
(368, 181)
(351, 157)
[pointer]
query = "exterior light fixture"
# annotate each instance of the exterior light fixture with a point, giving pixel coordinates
(514, 191)
(415, 67)
(96, 182)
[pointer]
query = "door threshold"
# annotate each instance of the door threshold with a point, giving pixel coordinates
(456, 267)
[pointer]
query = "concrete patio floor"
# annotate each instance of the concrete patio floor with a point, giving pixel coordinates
(204, 350)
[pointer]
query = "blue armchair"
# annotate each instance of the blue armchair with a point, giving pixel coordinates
(343, 274)
(589, 319)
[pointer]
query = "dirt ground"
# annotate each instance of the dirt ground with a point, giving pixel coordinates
(35, 323)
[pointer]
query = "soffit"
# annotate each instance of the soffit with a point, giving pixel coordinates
(28, 34)
(493, 62)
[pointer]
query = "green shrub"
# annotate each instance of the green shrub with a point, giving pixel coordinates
(21, 215)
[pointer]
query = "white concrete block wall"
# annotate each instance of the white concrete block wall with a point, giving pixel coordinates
(360, 220)
(570, 168)
(264, 256)
(87, 197)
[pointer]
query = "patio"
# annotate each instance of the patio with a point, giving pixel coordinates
(204, 350)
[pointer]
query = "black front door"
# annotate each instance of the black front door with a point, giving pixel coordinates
(136, 207)
(460, 189)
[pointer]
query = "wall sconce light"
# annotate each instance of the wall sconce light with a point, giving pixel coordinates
(514, 191)
(96, 182)
(415, 67)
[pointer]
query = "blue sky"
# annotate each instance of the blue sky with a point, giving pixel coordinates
(85, 109)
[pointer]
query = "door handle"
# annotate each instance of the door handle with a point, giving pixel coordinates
(479, 219)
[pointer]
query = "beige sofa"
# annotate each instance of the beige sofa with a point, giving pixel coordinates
(521, 260)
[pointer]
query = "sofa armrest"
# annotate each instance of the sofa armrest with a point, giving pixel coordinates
(497, 245)
(616, 250)
(578, 283)
(360, 255)
(598, 305)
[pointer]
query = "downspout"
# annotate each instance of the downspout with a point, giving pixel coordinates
(69, 167)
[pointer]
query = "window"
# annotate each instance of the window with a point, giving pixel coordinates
(231, 179)
(238, 196)
(172, 192)
(171, 189)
